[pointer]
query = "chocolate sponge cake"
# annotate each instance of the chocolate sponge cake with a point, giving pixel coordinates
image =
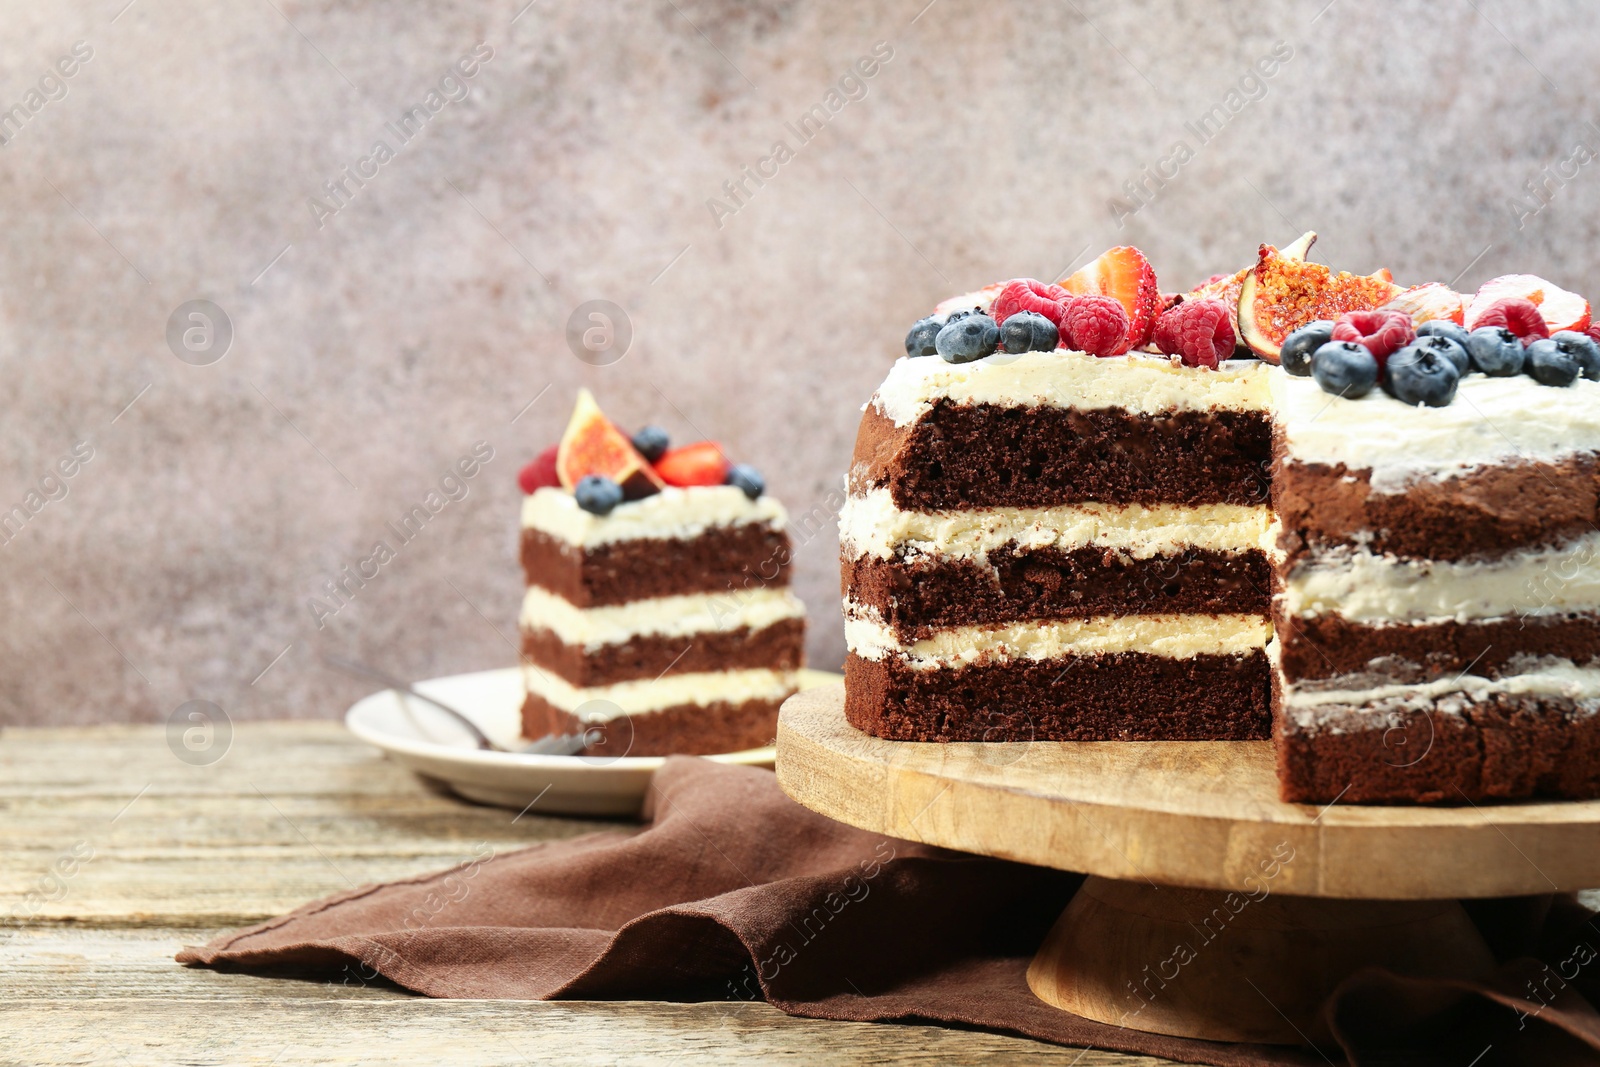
(1356, 518)
(1055, 546)
(658, 617)
(1439, 624)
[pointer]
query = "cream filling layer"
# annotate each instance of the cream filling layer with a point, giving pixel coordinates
(1552, 678)
(1365, 587)
(1172, 636)
(672, 514)
(668, 616)
(598, 703)
(1135, 382)
(1491, 420)
(871, 525)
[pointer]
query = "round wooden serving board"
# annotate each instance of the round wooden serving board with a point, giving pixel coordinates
(1197, 814)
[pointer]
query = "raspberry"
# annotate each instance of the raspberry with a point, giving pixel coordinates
(1095, 324)
(541, 472)
(1200, 331)
(1029, 294)
(1517, 314)
(1381, 332)
(1213, 280)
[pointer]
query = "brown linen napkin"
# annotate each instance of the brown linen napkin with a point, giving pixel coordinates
(733, 891)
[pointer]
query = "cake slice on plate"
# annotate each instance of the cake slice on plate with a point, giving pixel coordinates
(658, 615)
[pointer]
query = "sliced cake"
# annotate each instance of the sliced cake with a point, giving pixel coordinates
(658, 615)
(1371, 531)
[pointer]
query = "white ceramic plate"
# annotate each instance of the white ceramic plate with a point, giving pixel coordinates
(428, 741)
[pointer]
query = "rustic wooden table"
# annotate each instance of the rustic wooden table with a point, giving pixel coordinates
(116, 853)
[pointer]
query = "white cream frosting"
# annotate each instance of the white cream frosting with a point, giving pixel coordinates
(1172, 636)
(1552, 678)
(1491, 420)
(649, 695)
(670, 514)
(1366, 587)
(871, 525)
(668, 616)
(1135, 382)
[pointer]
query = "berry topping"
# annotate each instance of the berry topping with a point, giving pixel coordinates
(1449, 349)
(1029, 294)
(1429, 303)
(1559, 309)
(1421, 374)
(1199, 331)
(919, 342)
(1495, 350)
(1125, 274)
(968, 338)
(1344, 368)
(1581, 347)
(1215, 278)
(1028, 331)
(1549, 364)
(541, 472)
(1382, 332)
(1517, 314)
(1298, 347)
(597, 494)
(652, 442)
(1097, 325)
(982, 300)
(1445, 328)
(747, 478)
(701, 463)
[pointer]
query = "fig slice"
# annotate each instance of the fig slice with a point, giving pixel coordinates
(1285, 292)
(592, 444)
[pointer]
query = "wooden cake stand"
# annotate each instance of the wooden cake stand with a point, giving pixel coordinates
(1212, 910)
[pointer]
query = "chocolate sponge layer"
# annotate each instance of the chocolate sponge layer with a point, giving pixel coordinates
(987, 455)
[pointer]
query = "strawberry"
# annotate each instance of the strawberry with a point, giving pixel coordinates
(1520, 316)
(1125, 274)
(541, 472)
(1382, 332)
(1425, 303)
(1560, 309)
(701, 463)
(1029, 294)
(1096, 324)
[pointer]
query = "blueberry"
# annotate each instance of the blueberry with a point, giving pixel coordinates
(747, 478)
(1496, 351)
(968, 338)
(1344, 368)
(1422, 374)
(597, 494)
(1447, 347)
(651, 442)
(1028, 331)
(1581, 347)
(919, 342)
(1295, 356)
(1445, 328)
(1550, 364)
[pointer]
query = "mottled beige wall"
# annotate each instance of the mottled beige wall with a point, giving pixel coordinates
(372, 350)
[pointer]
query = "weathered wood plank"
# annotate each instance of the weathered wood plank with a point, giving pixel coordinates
(288, 1033)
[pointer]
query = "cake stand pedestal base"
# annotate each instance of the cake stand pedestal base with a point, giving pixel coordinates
(1237, 966)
